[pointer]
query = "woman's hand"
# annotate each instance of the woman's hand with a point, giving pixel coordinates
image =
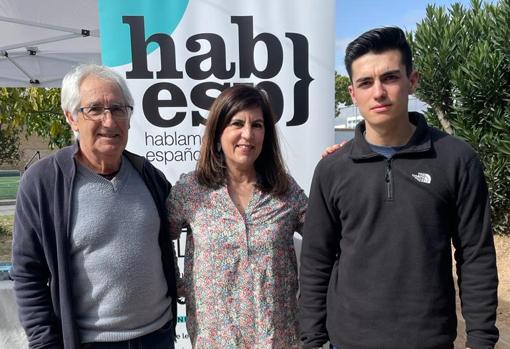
(332, 148)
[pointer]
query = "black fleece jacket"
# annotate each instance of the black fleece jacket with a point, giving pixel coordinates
(376, 262)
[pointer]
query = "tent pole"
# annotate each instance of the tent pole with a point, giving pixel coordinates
(44, 25)
(32, 80)
(42, 41)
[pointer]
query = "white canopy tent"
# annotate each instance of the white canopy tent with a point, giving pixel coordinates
(40, 41)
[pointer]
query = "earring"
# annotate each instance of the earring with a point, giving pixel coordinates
(218, 147)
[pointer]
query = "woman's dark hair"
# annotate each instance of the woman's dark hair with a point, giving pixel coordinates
(211, 169)
(379, 40)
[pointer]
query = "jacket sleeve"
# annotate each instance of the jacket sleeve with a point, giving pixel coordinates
(299, 202)
(31, 274)
(476, 258)
(177, 203)
(319, 252)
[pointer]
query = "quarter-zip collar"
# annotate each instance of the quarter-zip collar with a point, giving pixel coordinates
(420, 140)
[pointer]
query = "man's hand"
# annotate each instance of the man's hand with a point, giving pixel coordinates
(332, 148)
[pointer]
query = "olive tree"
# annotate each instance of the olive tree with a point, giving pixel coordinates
(342, 95)
(463, 57)
(9, 144)
(30, 111)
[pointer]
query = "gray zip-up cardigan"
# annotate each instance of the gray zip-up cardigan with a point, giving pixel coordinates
(40, 254)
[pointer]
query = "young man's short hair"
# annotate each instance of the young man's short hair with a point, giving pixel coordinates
(379, 40)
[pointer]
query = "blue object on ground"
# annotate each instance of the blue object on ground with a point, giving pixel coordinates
(4, 271)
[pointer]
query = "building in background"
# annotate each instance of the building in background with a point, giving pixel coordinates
(349, 117)
(32, 148)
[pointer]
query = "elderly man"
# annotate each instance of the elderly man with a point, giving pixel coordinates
(93, 265)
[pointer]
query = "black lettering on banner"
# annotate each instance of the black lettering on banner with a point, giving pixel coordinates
(301, 91)
(220, 69)
(217, 56)
(168, 139)
(200, 99)
(151, 104)
(275, 97)
(139, 52)
(247, 47)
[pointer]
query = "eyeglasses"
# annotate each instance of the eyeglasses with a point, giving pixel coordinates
(97, 112)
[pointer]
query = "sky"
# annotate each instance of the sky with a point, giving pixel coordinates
(354, 17)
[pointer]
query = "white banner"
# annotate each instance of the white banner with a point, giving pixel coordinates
(177, 56)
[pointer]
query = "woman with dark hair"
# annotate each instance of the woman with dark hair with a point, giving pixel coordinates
(240, 272)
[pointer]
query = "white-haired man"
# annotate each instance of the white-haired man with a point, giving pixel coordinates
(93, 265)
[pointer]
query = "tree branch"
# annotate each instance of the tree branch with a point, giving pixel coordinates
(445, 123)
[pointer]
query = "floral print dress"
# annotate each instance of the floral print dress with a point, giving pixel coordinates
(240, 271)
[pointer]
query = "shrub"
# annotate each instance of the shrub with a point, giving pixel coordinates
(463, 56)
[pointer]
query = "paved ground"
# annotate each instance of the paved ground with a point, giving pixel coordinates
(504, 333)
(7, 210)
(11, 334)
(7, 207)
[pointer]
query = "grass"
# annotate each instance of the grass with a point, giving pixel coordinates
(8, 187)
(6, 238)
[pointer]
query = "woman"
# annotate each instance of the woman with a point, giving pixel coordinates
(240, 273)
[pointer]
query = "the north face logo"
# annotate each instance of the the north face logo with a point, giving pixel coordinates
(422, 177)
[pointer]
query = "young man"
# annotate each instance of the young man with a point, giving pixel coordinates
(376, 263)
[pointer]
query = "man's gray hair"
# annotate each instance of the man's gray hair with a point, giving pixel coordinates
(70, 94)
